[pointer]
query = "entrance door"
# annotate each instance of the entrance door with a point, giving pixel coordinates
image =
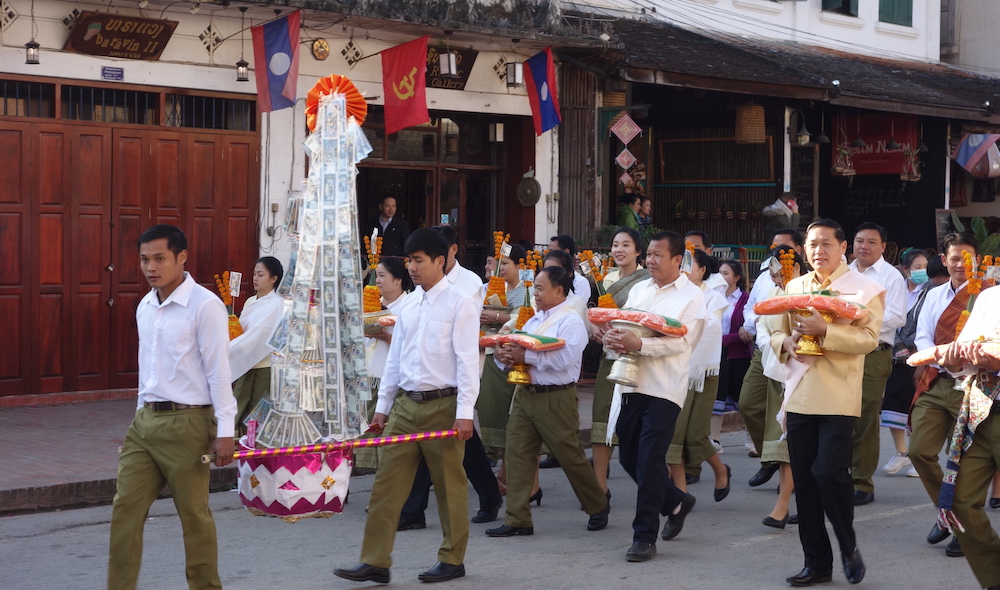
(469, 199)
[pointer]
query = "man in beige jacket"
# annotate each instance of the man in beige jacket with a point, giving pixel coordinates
(823, 401)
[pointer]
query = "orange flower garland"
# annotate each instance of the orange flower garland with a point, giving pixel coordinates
(235, 329)
(497, 286)
(371, 295)
(371, 299)
(787, 259)
(975, 278)
(523, 315)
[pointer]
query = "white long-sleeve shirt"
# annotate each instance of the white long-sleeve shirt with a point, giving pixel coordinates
(562, 365)
(663, 368)
(935, 303)
(184, 351)
(251, 350)
(435, 345)
(758, 293)
(894, 283)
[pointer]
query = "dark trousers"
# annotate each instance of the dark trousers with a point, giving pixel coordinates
(477, 469)
(820, 451)
(645, 427)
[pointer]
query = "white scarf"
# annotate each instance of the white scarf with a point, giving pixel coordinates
(707, 353)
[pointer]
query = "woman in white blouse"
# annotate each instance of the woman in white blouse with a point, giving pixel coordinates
(393, 282)
(250, 353)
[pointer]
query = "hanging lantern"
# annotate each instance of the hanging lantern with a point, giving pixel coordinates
(31, 52)
(750, 124)
(515, 74)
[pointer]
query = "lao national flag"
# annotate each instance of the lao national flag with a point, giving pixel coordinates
(971, 151)
(276, 58)
(404, 82)
(540, 78)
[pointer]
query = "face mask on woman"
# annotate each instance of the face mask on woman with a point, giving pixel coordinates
(918, 276)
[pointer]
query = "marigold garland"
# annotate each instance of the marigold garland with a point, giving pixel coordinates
(787, 260)
(235, 329)
(523, 315)
(607, 300)
(374, 256)
(371, 299)
(497, 286)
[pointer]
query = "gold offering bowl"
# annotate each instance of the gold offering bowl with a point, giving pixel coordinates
(492, 327)
(808, 344)
(625, 369)
(519, 375)
(371, 325)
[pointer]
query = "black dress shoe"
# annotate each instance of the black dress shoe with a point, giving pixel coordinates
(640, 551)
(854, 567)
(720, 495)
(600, 520)
(937, 535)
(487, 514)
(764, 475)
(510, 531)
(793, 519)
(405, 524)
(808, 576)
(690, 478)
(954, 548)
(775, 523)
(442, 572)
(994, 503)
(675, 522)
(549, 462)
(364, 573)
(862, 498)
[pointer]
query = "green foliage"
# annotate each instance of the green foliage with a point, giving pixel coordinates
(989, 244)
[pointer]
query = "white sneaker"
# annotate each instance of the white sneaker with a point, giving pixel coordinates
(898, 461)
(748, 443)
(718, 446)
(912, 472)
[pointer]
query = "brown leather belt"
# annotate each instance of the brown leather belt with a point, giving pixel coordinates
(548, 388)
(426, 396)
(169, 406)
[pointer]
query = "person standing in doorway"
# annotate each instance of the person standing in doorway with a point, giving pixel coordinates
(392, 228)
(185, 409)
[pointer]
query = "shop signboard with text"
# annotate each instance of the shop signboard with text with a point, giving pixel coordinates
(888, 140)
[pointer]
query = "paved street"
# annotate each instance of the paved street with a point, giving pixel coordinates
(722, 546)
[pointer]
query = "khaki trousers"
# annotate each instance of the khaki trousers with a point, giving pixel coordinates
(552, 418)
(692, 442)
(394, 480)
(933, 420)
(865, 442)
(753, 400)
(165, 448)
(979, 541)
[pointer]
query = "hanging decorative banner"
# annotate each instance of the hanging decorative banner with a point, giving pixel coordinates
(877, 132)
(626, 129)
(114, 35)
(625, 159)
(625, 178)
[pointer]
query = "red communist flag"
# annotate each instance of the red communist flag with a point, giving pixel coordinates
(404, 84)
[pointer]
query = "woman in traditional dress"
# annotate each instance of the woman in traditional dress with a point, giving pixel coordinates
(393, 282)
(691, 445)
(736, 352)
(626, 250)
(495, 394)
(250, 353)
(775, 447)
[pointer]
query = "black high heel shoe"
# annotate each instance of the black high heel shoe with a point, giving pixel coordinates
(536, 498)
(720, 494)
(774, 523)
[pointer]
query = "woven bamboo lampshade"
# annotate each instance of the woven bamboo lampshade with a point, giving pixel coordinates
(750, 124)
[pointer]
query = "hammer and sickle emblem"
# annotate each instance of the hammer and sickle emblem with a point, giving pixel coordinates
(406, 86)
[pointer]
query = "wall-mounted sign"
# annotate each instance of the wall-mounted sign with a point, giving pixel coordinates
(114, 35)
(877, 131)
(464, 58)
(112, 73)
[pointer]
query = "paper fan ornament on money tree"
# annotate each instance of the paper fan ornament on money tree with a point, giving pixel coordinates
(334, 84)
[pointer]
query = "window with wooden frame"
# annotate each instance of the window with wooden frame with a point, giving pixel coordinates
(848, 7)
(715, 160)
(897, 12)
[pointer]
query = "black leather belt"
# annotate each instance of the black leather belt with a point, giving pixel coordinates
(170, 406)
(548, 388)
(426, 396)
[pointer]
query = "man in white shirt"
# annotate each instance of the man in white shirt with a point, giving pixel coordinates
(430, 383)
(185, 405)
(937, 403)
(548, 411)
(649, 412)
(869, 245)
(700, 240)
(753, 393)
(476, 462)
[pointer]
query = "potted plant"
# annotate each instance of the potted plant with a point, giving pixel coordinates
(728, 210)
(679, 210)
